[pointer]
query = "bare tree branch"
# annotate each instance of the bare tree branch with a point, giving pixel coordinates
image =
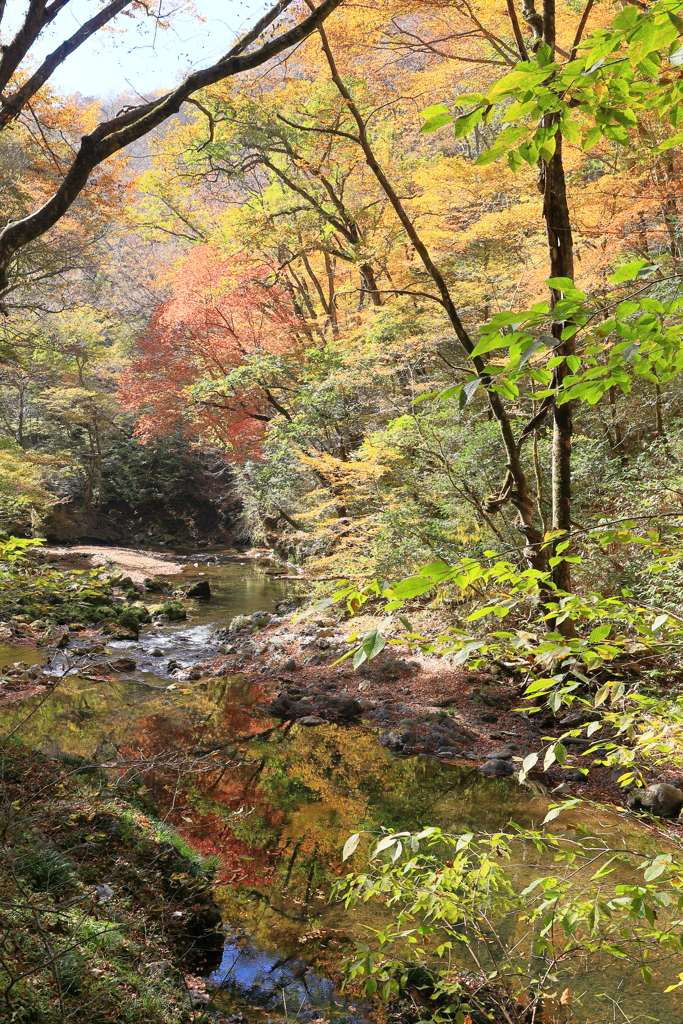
(113, 135)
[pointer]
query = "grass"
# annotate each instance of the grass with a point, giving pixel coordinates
(69, 951)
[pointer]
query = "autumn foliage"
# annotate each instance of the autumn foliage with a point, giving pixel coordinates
(217, 316)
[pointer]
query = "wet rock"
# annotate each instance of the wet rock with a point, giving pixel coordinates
(505, 754)
(496, 768)
(392, 668)
(123, 664)
(281, 705)
(201, 589)
(496, 700)
(663, 800)
(487, 716)
(573, 775)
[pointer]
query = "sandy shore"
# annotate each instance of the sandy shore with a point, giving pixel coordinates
(137, 564)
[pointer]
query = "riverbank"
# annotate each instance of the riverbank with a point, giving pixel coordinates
(420, 705)
(138, 565)
(106, 915)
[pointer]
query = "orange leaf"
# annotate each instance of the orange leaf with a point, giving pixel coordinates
(566, 997)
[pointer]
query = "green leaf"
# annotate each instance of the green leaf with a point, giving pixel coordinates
(489, 343)
(468, 391)
(436, 122)
(547, 150)
(489, 155)
(657, 867)
(562, 284)
(600, 633)
(591, 138)
(414, 586)
(675, 140)
(351, 845)
(515, 161)
(571, 131)
(466, 122)
(525, 77)
(601, 696)
(434, 111)
(628, 272)
(373, 642)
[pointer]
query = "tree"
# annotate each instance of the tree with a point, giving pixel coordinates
(214, 356)
(112, 135)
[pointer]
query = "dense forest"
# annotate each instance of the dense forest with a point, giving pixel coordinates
(390, 297)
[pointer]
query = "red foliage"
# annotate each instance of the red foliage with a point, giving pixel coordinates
(217, 315)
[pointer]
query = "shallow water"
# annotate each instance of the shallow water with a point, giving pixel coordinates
(276, 801)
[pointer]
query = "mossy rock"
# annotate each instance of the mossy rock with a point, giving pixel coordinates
(128, 620)
(173, 610)
(140, 611)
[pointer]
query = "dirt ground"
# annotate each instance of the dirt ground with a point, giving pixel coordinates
(137, 564)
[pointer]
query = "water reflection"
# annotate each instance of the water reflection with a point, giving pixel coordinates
(250, 975)
(274, 801)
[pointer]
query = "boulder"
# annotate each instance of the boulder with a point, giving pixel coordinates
(661, 799)
(503, 755)
(311, 720)
(173, 610)
(496, 768)
(344, 705)
(201, 590)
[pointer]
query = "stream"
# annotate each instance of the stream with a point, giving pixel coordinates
(278, 817)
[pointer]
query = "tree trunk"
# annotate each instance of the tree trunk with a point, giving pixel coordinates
(370, 284)
(561, 253)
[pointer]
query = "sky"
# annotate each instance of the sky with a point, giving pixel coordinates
(136, 58)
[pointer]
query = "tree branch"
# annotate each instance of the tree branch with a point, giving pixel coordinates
(113, 135)
(12, 107)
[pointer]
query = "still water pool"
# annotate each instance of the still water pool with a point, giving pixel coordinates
(276, 801)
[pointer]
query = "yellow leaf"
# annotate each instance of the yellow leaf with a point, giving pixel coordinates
(566, 997)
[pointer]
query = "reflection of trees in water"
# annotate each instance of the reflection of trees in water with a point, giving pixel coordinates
(274, 801)
(301, 792)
